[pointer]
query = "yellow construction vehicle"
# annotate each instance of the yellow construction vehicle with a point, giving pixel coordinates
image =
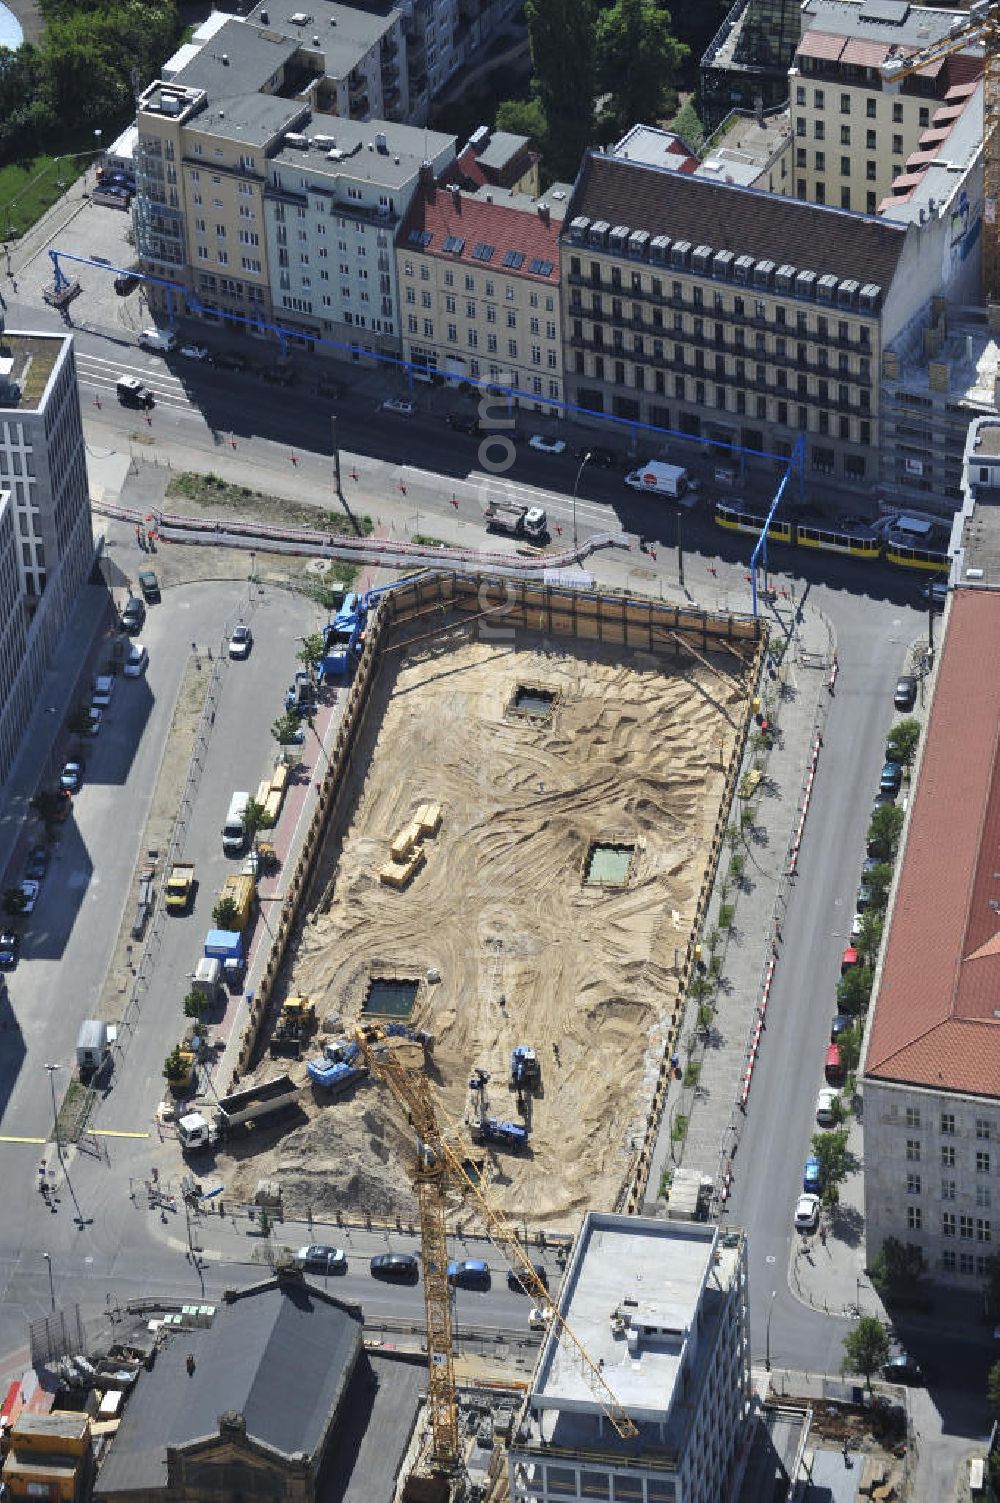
(439, 1167)
(296, 1021)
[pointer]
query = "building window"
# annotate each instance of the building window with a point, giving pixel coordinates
(923, 117)
(819, 130)
(512, 348)
(845, 166)
(948, 1224)
(453, 332)
(817, 99)
(820, 193)
(912, 1144)
(800, 156)
(947, 1158)
(965, 1227)
(821, 161)
(800, 94)
(913, 1116)
(983, 1129)
(800, 127)
(983, 1197)
(948, 1123)
(965, 1263)
(984, 1230)
(870, 204)
(914, 1219)
(870, 108)
(982, 1162)
(845, 198)
(870, 171)
(913, 1184)
(897, 112)
(897, 146)
(948, 1261)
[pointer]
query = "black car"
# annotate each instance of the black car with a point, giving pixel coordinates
(319, 1257)
(462, 422)
(37, 863)
(149, 585)
(10, 942)
(230, 360)
(601, 456)
(133, 615)
(398, 1267)
(905, 694)
(840, 1025)
(514, 1278)
(935, 594)
(126, 284)
(903, 1369)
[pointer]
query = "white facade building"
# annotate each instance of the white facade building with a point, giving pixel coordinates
(333, 201)
(661, 1308)
(46, 544)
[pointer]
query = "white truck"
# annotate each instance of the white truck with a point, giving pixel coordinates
(93, 1044)
(659, 479)
(516, 521)
(241, 1109)
(234, 831)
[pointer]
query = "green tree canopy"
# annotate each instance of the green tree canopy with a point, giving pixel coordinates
(639, 61)
(225, 913)
(870, 938)
(884, 830)
(854, 990)
(561, 34)
(896, 1268)
(834, 1162)
(523, 117)
(993, 1389)
(866, 1348)
(901, 742)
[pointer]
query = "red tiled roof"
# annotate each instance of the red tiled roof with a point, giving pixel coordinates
(934, 1023)
(963, 68)
(865, 52)
(477, 222)
(822, 45)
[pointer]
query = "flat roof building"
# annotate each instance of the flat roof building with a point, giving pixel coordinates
(661, 1309)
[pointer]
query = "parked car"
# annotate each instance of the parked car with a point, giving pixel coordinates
(133, 615)
(194, 351)
(95, 719)
(840, 1025)
(126, 283)
(514, 1278)
(37, 863)
(103, 690)
(135, 663)
(849, 959)
(149, 584)
(811, 1176)
(470, 1273)
(858, 919)
(825, 1106)
(543, 445)
(935, 594)
(807, 1213)
(10, 943)
(240, 642)
(398, 405)
(599, 455)
(29, 890)
(833, 1067)
(71, 777)
(400, 1268)
(321, 1258)
(463, 422)
(892, 777)
(538, 1319)
(902, 1368)
(229, 360)
(905, 694)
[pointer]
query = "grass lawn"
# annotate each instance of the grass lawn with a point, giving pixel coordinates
(26, 191)
(216, 494)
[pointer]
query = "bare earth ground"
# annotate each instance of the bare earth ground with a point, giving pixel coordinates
(525, 952)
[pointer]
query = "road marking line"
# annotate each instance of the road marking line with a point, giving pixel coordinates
(110, 1132)
(4, 1138)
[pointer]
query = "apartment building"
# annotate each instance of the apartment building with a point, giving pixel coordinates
(932, 1047)
(333, 203)
(479, 288)
(854, 136)
(353, 63)
(46, 544)
(661, 1309)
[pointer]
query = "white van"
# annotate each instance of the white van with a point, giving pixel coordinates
(234, 831)
(160, 341)
(659, 479)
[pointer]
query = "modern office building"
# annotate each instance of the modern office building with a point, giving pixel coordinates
(333, 203)
(46, 543)
(854, 135)
(479, 288)
(660, 1307)
(746, 65)
(931, 1057)
(745, 317)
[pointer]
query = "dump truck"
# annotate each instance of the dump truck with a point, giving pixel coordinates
(240, 1110)
(226, 946)
(296, 1021)
(501, 1134)
(242, 889)
(337, 1067)
(180, 888)
(525, 1071)
(516, 521)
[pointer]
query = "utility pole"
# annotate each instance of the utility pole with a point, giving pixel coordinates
(680, 554)
(55, 1115)
(52, 1287)
(336, 458)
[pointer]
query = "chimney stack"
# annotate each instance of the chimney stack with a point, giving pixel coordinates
(543, 213)
(456, 196)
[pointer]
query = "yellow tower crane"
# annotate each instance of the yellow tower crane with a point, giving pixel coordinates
(401, 1070)
(980, 27)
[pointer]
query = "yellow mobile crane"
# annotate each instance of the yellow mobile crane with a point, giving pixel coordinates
(438, 1166)
(981, 27)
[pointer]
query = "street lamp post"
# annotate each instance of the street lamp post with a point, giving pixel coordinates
(52, 1287)
(576, 486)
(767, 1332)
(55, 1115)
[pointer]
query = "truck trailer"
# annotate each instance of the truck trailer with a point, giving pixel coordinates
(242, 1109)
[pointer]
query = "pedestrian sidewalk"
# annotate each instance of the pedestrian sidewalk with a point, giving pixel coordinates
(701, 1123)
(827, 1270)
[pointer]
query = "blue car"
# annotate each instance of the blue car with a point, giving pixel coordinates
(892, 777)
(470, 1273)
(811, 1177)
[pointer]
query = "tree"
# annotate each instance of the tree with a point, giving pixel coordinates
(639, 62)
(47, 804)
(878, 882)
(688, 126)
(870, 937)
(523, 117)
(897, 1268)
(866, 1349)
(849, 1044)
(854, 990)
(286, 729)
(255, 817)
(561, 35)
(834, 1162)
(884, 830)
(78, 722)
(14, 901)
(312, 652)
(993, 1389)
(195, 1003)
(901, 742)
(176, 1066)
(225, 914)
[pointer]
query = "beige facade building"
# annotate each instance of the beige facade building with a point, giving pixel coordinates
(854, 138)
(479, 288)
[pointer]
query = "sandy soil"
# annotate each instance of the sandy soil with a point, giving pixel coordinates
(525, 951)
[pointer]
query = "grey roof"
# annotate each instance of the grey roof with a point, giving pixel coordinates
(879, 20)
(503, 146)
(337, 26)
(252, 118)
(238, 60)
(746, 221)
(406, 147)
(278, 1354)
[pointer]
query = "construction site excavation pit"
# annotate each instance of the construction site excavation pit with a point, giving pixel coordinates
(608, 864)
(511, 949)
(532, 702)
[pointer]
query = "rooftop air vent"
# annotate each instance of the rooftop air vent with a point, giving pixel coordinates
(722, 264)
(578, 230)
(638, 243)
(805, 284)
(743, 270)
(701, 259)
(680, 254)
(826, 288)
(659, 249)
